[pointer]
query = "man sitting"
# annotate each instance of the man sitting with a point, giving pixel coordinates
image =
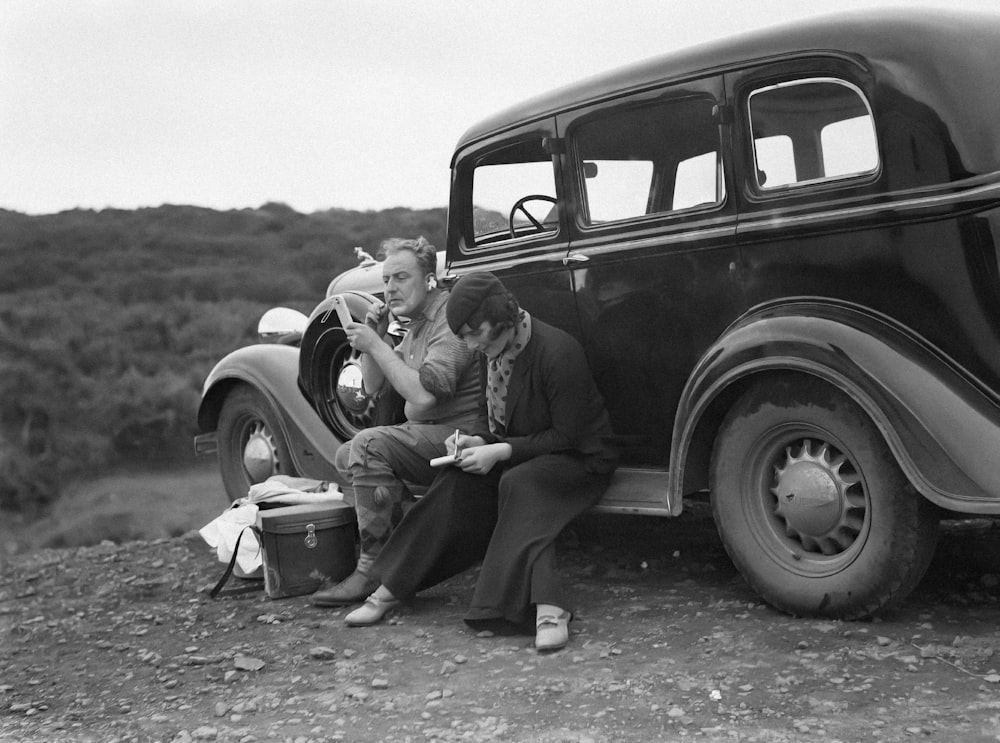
(438, 378)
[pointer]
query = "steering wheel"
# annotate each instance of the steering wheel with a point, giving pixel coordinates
(519, 207)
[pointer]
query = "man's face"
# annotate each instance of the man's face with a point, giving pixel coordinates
(405, 284)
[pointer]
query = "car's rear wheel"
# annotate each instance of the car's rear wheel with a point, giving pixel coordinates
(811, 505)
(252, 447)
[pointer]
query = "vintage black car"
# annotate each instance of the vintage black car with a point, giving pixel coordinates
(782, 255)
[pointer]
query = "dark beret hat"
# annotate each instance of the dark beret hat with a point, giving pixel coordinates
(467, 294)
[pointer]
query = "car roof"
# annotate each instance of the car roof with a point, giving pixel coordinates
(936, 42)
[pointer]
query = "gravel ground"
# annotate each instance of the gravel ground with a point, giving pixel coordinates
(121, 643)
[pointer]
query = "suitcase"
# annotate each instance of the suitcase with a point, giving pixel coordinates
(305, 546)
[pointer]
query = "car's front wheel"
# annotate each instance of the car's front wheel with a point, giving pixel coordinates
(252, 447)
(811, 505)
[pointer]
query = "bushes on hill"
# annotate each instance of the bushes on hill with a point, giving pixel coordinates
(110, 321)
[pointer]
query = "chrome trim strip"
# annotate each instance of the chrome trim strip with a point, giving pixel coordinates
(679, 236)
(768, 220)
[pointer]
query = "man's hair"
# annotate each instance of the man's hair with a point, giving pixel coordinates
(501, 311)
(425, 253)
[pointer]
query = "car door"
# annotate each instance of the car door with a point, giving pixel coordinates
(507, 216)
(652, 251)
(813, 181)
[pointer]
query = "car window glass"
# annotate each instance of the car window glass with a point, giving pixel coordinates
(698, 181)
(775, 161)
(808, 131)
(510, 177)
(618, 189)
(651, 159)
(849, 146)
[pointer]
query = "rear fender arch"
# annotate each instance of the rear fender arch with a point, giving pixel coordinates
(940, 423)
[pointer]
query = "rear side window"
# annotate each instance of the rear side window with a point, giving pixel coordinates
(648, 160)
(810, 131)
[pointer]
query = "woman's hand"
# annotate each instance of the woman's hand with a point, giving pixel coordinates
(458, 442)
(479, 460)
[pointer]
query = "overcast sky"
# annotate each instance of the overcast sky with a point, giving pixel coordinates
(353, 104)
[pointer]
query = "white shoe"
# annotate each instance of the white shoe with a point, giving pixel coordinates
(552, 631)
(371, 612)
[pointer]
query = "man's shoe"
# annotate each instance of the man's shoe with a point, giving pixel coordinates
(371, 612)
(354, 588)
(552, 631)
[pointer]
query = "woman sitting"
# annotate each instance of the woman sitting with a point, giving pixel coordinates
(511, 490)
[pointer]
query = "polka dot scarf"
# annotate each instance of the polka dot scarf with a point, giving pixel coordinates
(498, 375)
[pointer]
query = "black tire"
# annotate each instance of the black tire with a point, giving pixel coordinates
(330, 371)
(336, 377)
(811, 505)
(251, 444)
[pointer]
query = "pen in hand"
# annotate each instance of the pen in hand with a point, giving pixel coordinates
(458, 449)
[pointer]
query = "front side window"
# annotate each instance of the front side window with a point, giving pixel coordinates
(514, 193)
(647, 160)
(810, 131)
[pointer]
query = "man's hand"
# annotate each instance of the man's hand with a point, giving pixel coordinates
(363, 337)
(377, 318)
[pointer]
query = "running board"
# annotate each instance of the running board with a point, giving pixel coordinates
(638, 491)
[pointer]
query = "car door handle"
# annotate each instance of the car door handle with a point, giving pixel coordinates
(575, 258)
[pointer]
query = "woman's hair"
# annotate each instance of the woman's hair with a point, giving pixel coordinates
(425, 252)
(501, 311)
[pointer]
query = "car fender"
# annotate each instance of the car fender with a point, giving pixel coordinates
(941, 424)
(273, 370)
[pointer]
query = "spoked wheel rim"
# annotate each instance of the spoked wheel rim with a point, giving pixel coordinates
(807, 500)
(261, 459)
(252, 446)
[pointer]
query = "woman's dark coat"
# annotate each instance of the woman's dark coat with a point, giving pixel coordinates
(561, 464)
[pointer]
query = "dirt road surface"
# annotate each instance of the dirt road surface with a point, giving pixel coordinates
(121, 643)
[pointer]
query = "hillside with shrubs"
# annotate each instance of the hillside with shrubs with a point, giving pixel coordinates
(110, 320)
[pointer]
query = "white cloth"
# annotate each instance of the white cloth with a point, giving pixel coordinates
(222, 532)
(293, 491)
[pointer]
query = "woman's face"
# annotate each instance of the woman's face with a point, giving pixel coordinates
(485, 339)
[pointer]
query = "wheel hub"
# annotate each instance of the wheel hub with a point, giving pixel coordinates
(260, 455)
(813, 497)
(351, 390)
(807, 497)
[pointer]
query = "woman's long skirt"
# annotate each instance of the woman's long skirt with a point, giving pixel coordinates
(509, 519)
